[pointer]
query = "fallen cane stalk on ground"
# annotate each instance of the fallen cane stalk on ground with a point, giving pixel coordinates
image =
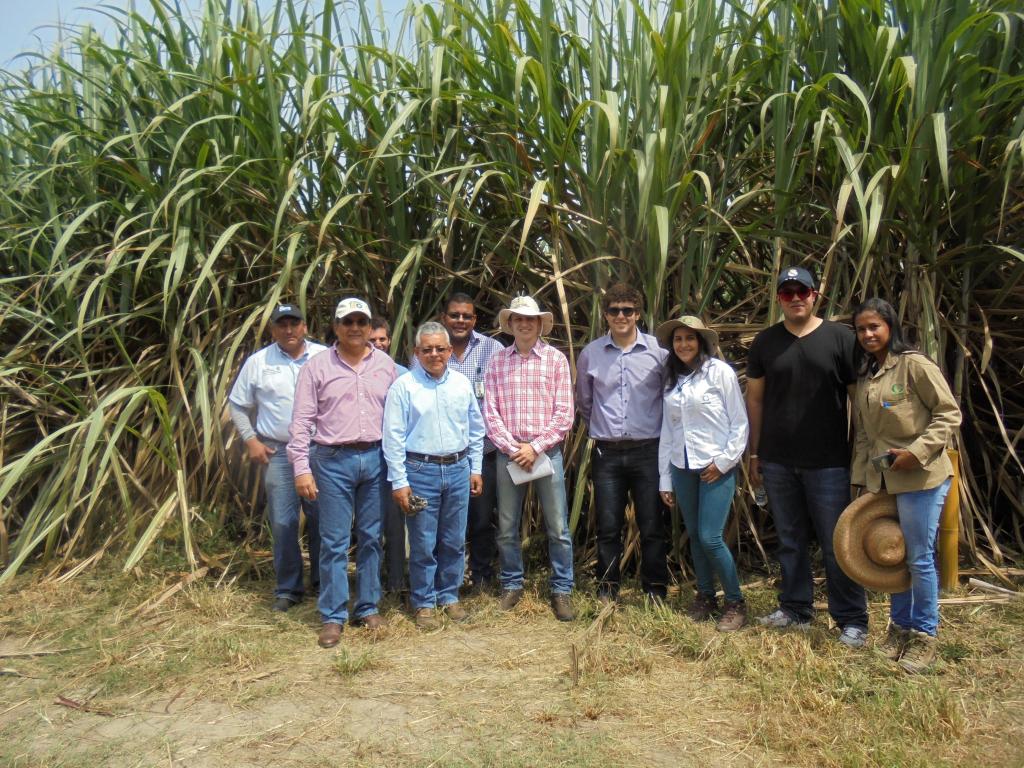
(211, 678)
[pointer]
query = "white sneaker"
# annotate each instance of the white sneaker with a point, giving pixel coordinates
(782, 620)
(853, 637)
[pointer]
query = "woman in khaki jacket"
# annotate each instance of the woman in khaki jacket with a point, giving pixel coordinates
(905, 417)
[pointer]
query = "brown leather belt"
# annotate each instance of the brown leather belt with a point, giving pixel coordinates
(450, 458)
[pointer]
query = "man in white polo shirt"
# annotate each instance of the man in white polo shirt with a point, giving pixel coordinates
(266, 385)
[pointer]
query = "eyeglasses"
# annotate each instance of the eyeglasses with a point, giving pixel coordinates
(433, 350)
(361, 321)
(460, 315)
(624, 311)
(790, 293)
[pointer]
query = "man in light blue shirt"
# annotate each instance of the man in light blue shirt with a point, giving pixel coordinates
(433, 444)
(619, 381)
(266, 384)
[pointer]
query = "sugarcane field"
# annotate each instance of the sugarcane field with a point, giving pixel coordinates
(514, 384)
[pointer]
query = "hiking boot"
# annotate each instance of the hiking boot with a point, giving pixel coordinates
(704, 607)
(456, 612)
(734, 616)
(509, 599)
(853, 636)
(330, 635)
(781, 620)
(426, 619)
(921, 653)
(561, 607)
(374, 621)
(895, 643)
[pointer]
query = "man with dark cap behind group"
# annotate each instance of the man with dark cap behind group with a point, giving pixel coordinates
(266, 384)
(798, 375)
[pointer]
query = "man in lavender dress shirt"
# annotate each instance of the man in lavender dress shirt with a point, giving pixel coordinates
(335, 449)
(619, 379)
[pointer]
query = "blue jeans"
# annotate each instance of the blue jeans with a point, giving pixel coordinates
(437, 534)
(617, 472)
(705, 508)
(918, 607)
(802, 500)
(551, 491)
(283, 504)
(481, 531)
(350, 484)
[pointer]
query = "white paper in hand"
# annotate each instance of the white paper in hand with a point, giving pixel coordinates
(541, 468)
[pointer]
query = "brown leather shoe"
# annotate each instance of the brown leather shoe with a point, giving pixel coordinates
(456, 612)
(509, 599)
(373, 621)
(426, 619)
(330, 635)
(733, 617)
(561, 607)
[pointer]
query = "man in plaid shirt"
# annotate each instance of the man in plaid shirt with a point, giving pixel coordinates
(528, 409)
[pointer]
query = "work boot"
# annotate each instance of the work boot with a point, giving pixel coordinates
(895, 643)
(921, 653)
(561, 607)
(456, 612)
(734, 617)
(426, 619)
(509, 599)
(703, 608)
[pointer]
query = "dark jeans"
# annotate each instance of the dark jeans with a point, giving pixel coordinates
(394, 543)
(482, 526)
(618, 472)
(802, 499)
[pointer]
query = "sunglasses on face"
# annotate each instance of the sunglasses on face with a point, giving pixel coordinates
(790, 293)
(433, 350)
(362, 322)
(460, 316)
(624, 311)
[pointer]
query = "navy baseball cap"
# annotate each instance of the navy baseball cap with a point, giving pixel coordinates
(796, 275)
(286, 310)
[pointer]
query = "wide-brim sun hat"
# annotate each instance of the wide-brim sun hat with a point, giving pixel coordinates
(527, 307)
(869, 546)
(663, 333)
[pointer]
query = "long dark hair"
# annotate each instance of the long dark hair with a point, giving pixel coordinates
(676, 369)
(898, 343)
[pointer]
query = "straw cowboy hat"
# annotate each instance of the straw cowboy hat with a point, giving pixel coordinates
(527, 307)
(869, 546)
(665, 330)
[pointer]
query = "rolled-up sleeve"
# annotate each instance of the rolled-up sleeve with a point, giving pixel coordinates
(935, 394)
(561, 416)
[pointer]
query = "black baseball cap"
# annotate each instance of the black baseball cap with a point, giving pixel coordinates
(286, 310)
(796, 275)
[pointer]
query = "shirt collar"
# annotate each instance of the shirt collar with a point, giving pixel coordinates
(421, 372)
(281, 353)
(511, 349)
(639, 341)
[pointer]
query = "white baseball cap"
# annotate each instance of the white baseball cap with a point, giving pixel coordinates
(350, 306)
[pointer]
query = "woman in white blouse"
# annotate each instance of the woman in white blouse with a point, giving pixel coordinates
(703, 435)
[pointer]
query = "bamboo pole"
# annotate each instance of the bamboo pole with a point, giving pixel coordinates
(949, 575)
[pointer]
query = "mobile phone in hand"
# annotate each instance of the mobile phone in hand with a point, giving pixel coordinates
(883, 462)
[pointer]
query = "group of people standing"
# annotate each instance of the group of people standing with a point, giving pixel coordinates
(450, 446)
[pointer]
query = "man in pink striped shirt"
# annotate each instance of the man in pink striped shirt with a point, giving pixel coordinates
(528, 409)
(335, 449)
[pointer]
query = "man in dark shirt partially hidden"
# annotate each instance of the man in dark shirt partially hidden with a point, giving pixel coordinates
(798, 374)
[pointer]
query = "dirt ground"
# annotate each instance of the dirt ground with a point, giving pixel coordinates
(136, 672)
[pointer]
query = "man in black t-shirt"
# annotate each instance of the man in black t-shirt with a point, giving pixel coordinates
(798, 372)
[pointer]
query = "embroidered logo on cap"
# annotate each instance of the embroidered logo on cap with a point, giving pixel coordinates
(791, 273)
